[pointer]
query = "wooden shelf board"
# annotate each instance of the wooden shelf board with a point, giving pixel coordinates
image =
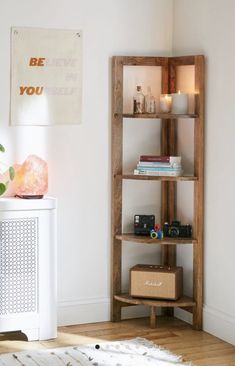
(156, 177)
(159, 115)
(184, 301)
(147, 240)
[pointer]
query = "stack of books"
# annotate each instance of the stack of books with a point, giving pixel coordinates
(160, 165)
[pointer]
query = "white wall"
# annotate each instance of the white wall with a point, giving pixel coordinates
(79, 156)
(207, 27)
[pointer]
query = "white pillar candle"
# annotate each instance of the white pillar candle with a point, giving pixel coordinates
(179, 103)
(165, 103)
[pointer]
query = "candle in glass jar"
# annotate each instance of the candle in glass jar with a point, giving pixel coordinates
(179, 103)
(165, 103)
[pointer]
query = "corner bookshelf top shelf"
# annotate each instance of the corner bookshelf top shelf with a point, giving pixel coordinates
(159, 115)
(148, 240)
(184, 301)
(156, 177)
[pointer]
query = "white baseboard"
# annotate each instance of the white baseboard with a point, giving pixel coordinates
(183, 315)
(219, 324)
(93, 310)
(215, 322)
(83, 311)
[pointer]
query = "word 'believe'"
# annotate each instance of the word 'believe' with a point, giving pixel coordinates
(58, 62)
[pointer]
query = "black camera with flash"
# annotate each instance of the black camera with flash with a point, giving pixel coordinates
(143, 224)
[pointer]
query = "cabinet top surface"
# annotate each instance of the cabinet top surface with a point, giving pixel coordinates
(16, 204)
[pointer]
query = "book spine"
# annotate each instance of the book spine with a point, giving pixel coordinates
(159, 173)
(158, 169)
(153, 164)
(163, 159)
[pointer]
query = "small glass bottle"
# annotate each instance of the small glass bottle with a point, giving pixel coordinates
(150, 103)
(138, 101)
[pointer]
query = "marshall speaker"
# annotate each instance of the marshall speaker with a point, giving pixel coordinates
(159, 282)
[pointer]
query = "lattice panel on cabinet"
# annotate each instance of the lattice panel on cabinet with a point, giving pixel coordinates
(18, 265)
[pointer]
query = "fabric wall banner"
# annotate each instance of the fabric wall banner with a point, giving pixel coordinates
(46, 76)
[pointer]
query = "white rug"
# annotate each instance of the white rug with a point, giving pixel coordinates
(134, 352)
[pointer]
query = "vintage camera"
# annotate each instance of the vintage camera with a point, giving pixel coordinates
(143, 224)
(175, 230)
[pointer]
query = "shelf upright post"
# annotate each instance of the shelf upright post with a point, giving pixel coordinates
(172, 150)
(164, 151)
(198, 62)
(198, 193)
(117, 147)
(168, 147)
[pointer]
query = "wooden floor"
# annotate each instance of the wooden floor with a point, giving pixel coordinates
(173, 334)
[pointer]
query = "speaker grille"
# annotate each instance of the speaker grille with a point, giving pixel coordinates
(18, 266)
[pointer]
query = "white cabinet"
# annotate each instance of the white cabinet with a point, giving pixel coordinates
(28, 267)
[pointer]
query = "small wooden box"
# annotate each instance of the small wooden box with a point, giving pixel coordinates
(152, 281)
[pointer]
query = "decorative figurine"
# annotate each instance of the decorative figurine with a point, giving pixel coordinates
(156, 233)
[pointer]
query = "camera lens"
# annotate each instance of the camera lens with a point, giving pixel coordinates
(174, 232)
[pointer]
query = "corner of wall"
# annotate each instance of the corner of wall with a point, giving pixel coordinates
(172, 26)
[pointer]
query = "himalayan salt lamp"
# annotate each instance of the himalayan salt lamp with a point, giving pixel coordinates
(31, 180)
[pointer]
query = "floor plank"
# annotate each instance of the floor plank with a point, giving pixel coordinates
(197, 346)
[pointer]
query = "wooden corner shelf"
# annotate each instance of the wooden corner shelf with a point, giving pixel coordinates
(148, 240)
(156, 177)
(167, 145)
(184, 301)
(159, 115)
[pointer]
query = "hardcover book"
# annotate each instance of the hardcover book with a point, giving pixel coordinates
(161, 158)
(163, 173)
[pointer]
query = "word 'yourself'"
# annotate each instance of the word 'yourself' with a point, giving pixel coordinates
(39, 90)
